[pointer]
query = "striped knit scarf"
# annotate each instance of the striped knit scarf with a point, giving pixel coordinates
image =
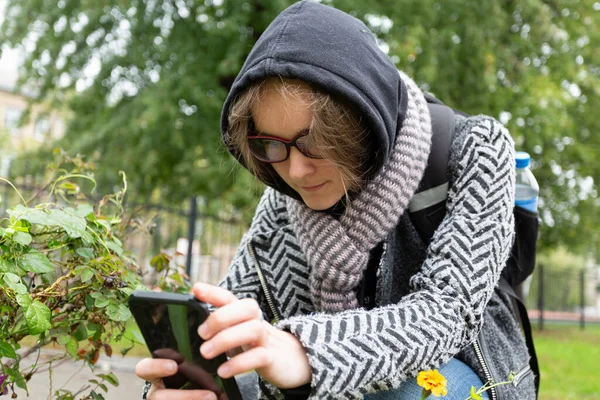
(338, 249)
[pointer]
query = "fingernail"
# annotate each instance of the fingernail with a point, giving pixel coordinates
(223, 371)
(171, 367)
(210, 396)
(207, 349)
(203, 330)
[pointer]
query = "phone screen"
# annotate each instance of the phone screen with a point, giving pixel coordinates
(171, 331)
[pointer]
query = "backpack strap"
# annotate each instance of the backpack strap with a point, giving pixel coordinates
(427, 207)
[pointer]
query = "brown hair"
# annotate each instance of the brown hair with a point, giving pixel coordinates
(336, 130)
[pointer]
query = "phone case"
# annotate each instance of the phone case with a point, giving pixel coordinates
(144, 306)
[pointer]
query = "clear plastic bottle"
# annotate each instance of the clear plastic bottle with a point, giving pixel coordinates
(527, 189)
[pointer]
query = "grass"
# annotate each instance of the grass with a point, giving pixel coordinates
(569, 362)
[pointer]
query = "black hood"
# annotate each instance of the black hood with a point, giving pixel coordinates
(336, 53)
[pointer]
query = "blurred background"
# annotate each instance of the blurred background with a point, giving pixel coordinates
(138, 86)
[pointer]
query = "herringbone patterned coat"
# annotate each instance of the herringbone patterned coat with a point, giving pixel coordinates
(431, 314)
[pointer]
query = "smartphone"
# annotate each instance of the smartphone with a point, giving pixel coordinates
(169, 324)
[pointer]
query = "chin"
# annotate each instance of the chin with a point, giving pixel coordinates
(319, 204)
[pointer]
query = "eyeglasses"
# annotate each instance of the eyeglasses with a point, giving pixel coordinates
(270, 149)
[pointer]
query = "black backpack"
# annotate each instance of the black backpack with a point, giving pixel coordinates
(428, 207)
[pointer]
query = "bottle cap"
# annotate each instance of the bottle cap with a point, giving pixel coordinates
(522, 159)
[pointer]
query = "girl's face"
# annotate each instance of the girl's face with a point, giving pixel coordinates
(318, 181)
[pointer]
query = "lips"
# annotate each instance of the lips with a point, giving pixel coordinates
(313, 188)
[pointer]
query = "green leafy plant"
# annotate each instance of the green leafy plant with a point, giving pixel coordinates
(64, 278)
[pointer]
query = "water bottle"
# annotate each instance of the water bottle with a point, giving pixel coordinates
(527, 189)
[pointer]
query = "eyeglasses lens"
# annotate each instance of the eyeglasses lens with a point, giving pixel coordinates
(268, 150)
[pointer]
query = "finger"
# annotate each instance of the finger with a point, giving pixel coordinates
(152, 370)
(255, 358)
(250, 333)
(229, 315)
(214, 295)
(175, 394)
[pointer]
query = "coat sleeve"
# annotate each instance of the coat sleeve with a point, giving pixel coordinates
(242, 278)
(357, 352)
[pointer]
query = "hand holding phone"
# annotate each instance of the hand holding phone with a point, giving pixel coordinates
(169, 323)
(277, 356)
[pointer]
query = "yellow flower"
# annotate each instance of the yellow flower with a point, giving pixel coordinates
(433, 382)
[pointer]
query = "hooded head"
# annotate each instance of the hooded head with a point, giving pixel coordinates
(336, 54)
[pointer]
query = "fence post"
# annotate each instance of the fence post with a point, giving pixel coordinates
(541, 296)
(192, 216)
(582, 299)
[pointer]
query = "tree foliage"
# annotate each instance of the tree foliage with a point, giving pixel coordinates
(145, 80)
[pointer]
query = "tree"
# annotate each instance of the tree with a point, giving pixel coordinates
(146, 81)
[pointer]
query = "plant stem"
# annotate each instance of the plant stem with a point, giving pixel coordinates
(26, 353)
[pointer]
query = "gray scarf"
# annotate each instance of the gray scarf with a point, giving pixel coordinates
(338, 250)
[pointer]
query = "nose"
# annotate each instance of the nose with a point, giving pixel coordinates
(300, 166)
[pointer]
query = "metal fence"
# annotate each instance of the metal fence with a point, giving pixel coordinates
(205, 244)
(560, 295)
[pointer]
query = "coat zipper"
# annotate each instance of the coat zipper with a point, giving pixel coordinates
(521, 374)
(484, 365)
(263, 283)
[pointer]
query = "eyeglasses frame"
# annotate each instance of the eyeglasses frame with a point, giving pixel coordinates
(287, 143)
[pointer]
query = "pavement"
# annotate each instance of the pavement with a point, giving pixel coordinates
(73, 376)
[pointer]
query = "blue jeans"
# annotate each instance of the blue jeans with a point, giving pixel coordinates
(459, 376)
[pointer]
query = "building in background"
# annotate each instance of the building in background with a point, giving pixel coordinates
(41, 126)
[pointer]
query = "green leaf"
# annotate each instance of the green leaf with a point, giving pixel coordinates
(126, 290)
(36, 262)
(474, 394)
(6, 265)
(118, 312)
(101, 302)
(63, 339)
(22, 238)
(6, 350)
(71, 223)
(17, 377)
(110, 378)
(104, 223)
(134, 335)
(115, 247)
(96, 396)
(160, 262)
(85, 252)
(38, 318)
(14, 282)
(11, 278)
(19, 288)
(95, 295)
(72, 346)
(24, 300)
(103, 386)
(83, 210)
(89, 302)
(113, 312)
(124, 313)
(80, 333)
(125, 350)
(86, 275)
